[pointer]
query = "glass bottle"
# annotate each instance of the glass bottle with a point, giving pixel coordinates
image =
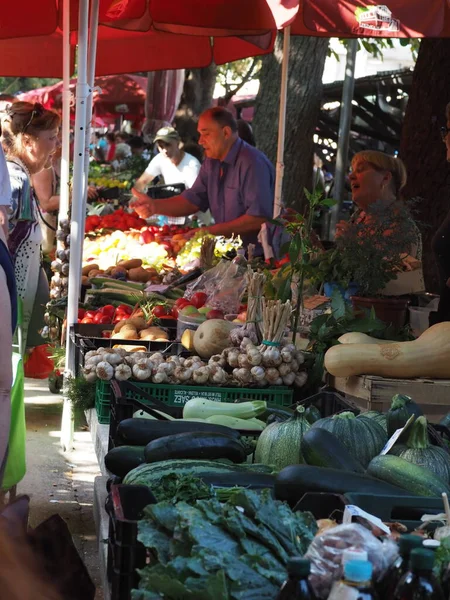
(387, 586)
(297, 586)
(419, 582)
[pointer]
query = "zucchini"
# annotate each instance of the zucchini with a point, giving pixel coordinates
(276, 414)
(120, 461)
(235, 423)
(139, 432)
(202, 408)
(247, 480)
(294, 481)
(410, 477)
(151, 474)
(312, 414)
(199, 444)
(320, 448)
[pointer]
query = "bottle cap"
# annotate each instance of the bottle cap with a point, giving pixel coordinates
(299, 567)
(358, 570)
(408, 542)
(353, 555)
(431, 544)
(422, 559)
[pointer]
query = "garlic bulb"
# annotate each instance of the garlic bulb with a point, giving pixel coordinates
(288, 346)
(218, 359)
(243, 361)
(286, 355)
(137, 356)
(242, 375)
(245, 342)
(90, 375)
(294, 365)
(173, 359)
(157, 358)
(299, 357)
(113, 358)
(129, 360)
(142, 370)
(102, 350)
(233, 358)
(271, 357)
(122, 372)
(284, 369)
(278, 381)
(169, 367)
(104, 371)
(300, 379)
(254, 356)
(219, 376)
(258, 373)
(121, 351)
(182, 374)
(92, 361)
(90, 354)
(236, 336)
(201, 375)
(289, 378)
(272, 375)
(160, 377)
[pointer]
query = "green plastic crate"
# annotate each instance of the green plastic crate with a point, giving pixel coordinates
(178, 395)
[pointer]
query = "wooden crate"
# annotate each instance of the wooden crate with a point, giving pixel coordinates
(369, 392)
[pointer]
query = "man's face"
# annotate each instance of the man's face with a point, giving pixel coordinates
(168, 149)
(213, 137)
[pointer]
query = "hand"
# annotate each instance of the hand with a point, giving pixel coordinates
(143, 205)
(341, 228)
(92, 193)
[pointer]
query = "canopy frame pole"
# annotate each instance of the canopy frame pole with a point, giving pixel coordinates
(65, 141)
(345, 121)
(278, 200)
(78, 210)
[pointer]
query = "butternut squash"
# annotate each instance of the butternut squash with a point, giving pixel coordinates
(427, 356)
(356, 337)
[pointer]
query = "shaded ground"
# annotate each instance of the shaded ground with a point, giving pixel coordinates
(57, 482)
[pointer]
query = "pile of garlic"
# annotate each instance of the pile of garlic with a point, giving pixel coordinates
(247, 365)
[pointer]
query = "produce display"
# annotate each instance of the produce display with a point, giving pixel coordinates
(60, 265)
(119, 219)
(427, 356)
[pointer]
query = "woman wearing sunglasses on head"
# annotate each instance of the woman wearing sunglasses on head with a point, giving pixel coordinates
(441, 246)
(29, 137)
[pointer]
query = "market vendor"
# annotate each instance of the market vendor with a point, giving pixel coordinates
(236, 182)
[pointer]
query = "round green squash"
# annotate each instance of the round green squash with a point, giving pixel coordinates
(419, 451)
(279, 443)
(402, 407)
(378, 417)
(364, 438)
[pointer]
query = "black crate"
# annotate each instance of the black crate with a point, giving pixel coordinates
(329, 402)
(125, 505)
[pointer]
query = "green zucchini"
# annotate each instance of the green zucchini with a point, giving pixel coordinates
(150, 474)
(410, 477)
(312, 414)
(123, 459)
(199, 444)
(294, 481)
(320, 448)
(276, 414)
(139, 432)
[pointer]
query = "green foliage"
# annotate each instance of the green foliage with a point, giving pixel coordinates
(232, 76)
(14, 85)
(81, 393)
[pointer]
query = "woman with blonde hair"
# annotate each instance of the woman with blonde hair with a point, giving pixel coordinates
(29, 137)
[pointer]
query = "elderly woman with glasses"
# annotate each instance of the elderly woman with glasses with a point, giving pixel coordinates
(441, 246)
(29, 137)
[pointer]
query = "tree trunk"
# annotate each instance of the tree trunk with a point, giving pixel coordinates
(421, 147)
(197, 97)
(306, 64)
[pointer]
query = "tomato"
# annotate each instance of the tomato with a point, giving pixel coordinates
(174, 312)
(90, 314)
(124, 308)
(87, 320)
(108, 310)
(182, 302)
(199, 299)
(81, 313)
(119, 318)
(159, 311)
(103, 320)
(107, 333)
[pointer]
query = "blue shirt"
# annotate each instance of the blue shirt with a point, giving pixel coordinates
(246, 186)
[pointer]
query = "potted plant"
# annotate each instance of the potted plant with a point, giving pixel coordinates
(370, 253)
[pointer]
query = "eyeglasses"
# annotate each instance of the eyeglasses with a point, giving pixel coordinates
(444, 133)
(38, 110)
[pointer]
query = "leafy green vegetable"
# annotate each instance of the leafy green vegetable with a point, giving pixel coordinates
(442, 558)
(181, 488)
(214, 551)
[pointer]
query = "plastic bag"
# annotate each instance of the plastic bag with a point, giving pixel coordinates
(224, 285)
(325, 554)
(39, 365)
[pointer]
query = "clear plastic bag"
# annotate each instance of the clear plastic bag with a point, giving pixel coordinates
(325, 554)
(224, 285)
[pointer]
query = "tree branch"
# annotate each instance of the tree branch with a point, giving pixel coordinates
(231, 92)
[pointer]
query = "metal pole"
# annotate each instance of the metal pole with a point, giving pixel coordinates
(282, 124)
(65, 142)
(344, 133)
(78, 209)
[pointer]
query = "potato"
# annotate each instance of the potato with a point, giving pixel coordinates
(137, 322)
(153, 333)
(134, 263)
(94, 273)
(139, 274)
(89, 267)
(126, 334)
(85, 281)
(117, 270)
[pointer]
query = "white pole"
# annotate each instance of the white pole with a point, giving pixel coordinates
(282, 124)
(65, 142)
(78, 210)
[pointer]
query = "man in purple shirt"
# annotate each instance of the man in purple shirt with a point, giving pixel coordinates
(236, 182)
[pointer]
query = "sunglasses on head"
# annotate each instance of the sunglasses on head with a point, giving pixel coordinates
(37, 111)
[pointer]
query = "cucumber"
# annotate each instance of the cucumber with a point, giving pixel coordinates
(139, 432)
(120, 461)
(199, 444)
(151, 474)
(294, 481)
(320, 448)
(417, 480)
